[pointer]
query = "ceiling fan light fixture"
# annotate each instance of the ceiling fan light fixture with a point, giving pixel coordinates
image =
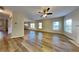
(45, 12)
(45, 15)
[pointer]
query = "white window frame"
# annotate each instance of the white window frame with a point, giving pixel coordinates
(26, 24)
(54, 25)
(40, 25)
(68, 26)
(32, 25)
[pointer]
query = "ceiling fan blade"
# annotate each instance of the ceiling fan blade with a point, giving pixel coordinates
(49, 13)
(44, 11)
(39, 12)
(1, 7)
(41, 16)
(48, 9)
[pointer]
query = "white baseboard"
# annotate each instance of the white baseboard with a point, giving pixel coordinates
(72, 40)
(47, 31)
(75, 43)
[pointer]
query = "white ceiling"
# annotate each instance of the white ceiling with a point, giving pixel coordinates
(31, 12)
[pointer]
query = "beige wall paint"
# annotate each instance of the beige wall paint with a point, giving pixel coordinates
(17, 25)
(75, 20)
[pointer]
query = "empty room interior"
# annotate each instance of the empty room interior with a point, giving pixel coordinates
(39, 28)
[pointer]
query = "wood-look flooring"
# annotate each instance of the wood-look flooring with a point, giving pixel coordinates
(36, 42)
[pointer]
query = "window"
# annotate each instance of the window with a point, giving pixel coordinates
(56, 25)
(32, 25)
(26, 24)
(68, 26)
(40, 25)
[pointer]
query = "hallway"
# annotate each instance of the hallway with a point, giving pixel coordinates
(37, 42)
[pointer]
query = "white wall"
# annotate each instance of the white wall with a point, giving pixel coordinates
(75, 23)
(17, 25)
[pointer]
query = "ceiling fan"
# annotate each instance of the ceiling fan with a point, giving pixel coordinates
(45, 12)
